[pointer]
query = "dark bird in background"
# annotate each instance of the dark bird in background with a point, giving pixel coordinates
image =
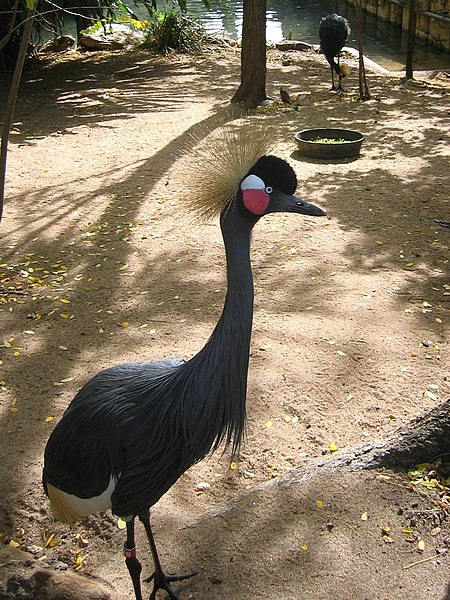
(134, 429)
(285, 98)
(334, 31)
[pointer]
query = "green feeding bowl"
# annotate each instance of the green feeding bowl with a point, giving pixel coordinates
(329, 143)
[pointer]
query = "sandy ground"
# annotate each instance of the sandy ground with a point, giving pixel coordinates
(98, 266)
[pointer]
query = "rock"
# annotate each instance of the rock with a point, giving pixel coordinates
(111, 37)
(222, 36)
(61, 43)
(35, 550)
(55, 585)
(24, 578)
(293, 45)
(65, 585)
(202, 486)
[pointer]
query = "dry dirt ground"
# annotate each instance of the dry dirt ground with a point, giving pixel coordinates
(98, 266)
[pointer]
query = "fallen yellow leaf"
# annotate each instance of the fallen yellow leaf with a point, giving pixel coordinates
(82, 540)
(79, 561)
(319, 504)
(52, 541)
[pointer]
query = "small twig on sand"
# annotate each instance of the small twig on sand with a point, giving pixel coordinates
(6, 291)
(418, 562)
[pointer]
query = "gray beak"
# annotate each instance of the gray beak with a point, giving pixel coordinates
(280, 202)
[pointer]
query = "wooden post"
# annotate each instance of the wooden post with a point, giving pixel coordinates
(411, 39)
(364, 91)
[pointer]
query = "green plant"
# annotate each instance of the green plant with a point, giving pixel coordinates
(174, 31)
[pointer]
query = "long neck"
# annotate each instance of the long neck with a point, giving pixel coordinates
(218, 373)
(235, 324)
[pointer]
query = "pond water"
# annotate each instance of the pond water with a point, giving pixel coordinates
(299, 20)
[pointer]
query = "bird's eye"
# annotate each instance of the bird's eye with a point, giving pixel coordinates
(268, 189)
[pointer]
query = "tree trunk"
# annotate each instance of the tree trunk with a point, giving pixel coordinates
(422, 440)
(252, 90)
(86, 15)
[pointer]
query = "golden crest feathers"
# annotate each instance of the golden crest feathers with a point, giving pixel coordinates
(217, 164)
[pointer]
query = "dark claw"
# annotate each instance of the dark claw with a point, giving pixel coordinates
(442, 223)
(181, 577)
(161, 582)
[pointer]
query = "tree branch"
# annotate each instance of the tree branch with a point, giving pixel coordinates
(11, 103)
(8, 35)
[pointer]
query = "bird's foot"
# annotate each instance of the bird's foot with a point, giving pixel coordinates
(340, 89)
(161, 581)
(337, 90)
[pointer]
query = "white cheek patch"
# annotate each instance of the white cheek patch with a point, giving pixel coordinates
(254, 196)
(252, 182)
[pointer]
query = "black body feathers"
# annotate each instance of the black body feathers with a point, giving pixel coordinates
(334, 31)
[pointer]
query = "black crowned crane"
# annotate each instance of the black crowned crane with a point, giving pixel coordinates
(134, 429)
(334, 31)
